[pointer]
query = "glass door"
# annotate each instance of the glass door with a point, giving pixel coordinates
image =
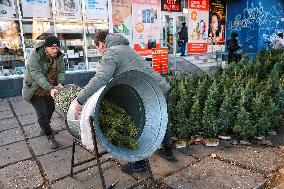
(172, 23)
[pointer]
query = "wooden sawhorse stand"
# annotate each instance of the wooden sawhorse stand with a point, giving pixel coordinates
(97, 157)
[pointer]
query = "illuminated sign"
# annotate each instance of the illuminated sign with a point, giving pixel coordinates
(171, 5)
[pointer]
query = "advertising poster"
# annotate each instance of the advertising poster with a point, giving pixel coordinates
(217, 22)
(198, 4)
(7, 9)
(146, 25)
(122, 19)
(198, 26)
(68, 8)
(36, 8)
(97, 9)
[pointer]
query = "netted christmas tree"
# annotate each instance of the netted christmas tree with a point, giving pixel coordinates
(244, 127)
(117, 125)
(202, 92)
(273, 114)
(181, 127)
(210, 120)
(259, 115)
(227, 115)
(280, 101)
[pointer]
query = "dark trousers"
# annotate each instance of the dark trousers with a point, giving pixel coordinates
(233, 57)
(167, 141)
(44, 107)
(182, 48)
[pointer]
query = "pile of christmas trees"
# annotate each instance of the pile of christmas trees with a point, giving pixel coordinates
(246, 99)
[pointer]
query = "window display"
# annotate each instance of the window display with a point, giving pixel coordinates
(40, 18)
(11, 53)
(34, 31)
(72, 45)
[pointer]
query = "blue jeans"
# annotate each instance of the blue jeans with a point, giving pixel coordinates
(182, 48)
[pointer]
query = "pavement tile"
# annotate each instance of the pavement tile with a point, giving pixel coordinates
(40, 144)
(8, 124)
(24, 111)
(211, 173)
(200, 151)
(21, 175)
(32, 118)
(58, 164)
(33, 130)
(28, 119)
(6, 114)
(162, 167)
(20, 105)
(91, 178)
(10, 136)
(264, 159)
(14, 152)
(4, 105)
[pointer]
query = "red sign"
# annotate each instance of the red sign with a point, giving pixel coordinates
(160, 60)
(198, 4)
(197, 47)
(171, 5)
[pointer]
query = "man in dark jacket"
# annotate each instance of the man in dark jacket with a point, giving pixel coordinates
(183, 38)
(117, 58)
(44, 76)
(232, 47)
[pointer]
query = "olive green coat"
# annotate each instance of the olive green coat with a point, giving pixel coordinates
(36, 71)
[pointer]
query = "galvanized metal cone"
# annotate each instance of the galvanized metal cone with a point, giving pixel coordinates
(141, 97)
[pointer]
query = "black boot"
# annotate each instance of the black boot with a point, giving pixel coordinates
(134, 167)
(52, 142)
(168, 154)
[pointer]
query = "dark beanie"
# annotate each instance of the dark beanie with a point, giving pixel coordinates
(52, 41)
(234, 34)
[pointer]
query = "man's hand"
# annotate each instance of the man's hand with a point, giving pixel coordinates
(77, 111)
(53, 92)
(59, 86)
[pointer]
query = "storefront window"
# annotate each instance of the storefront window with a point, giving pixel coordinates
(34, 31)
(72, 45)
(11, 51)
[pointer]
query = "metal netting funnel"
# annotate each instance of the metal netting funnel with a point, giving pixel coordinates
(140, 96)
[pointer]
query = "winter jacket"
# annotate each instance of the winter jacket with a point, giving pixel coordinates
(232, 45)
(183, 34)
(118, 58)
(278, 43)
(36, 71)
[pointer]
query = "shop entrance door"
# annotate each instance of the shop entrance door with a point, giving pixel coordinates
(172, 23)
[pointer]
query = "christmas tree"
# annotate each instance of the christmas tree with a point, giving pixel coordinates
(211, 109)
(227, 114)
(181, 126)
(260, 116)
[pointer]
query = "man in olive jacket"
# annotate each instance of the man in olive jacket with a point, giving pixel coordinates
(117, 58)
(45, 74)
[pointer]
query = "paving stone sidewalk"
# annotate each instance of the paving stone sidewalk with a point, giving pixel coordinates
(26, 161)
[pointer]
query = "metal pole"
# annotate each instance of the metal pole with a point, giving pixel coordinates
(22, 32)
